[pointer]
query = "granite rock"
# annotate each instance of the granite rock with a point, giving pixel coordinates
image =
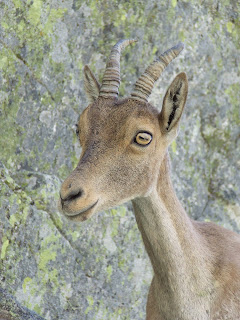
(99, 269)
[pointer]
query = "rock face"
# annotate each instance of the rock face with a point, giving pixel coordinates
(10, 309)
(98, 269)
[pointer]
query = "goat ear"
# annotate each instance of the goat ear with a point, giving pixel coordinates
(91, 85)
(173, 104)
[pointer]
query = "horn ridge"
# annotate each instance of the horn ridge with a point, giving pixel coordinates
(144, 85)
(111, 77)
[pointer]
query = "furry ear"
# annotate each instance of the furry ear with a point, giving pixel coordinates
(173, 104)
(91, 85)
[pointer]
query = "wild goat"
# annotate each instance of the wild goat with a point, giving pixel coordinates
(124, 157)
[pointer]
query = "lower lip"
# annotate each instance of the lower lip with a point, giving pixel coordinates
(81, 213)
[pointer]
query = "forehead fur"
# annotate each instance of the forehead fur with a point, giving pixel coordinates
(104, 111)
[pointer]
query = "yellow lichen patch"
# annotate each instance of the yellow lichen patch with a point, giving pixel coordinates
(34, 12)
(46, 256)
(25, 284)
(17, 3)
(4, 248)
(90, 304)
(12, 219)
(230, 26)
(109, 272)
(174, 146)
(75, 235)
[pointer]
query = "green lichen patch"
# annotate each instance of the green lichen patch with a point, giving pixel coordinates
(34, 12)
(4, 248)
(109, 272)
(25, 284)
(90, 304)
(46, 256)
(98, 269)
(233, 93)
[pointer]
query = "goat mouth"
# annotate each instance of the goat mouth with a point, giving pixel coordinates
(82, 214)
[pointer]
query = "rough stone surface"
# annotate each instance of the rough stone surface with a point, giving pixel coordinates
(98, 269)
(10, 309)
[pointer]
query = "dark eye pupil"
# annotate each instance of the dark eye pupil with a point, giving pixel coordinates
(77, 130)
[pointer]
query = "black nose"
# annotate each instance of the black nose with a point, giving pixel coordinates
(71, 195)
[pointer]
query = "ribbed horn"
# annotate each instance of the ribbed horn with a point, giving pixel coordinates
(145, 83)
(111, 78)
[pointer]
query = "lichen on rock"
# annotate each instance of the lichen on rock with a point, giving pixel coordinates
(99, 269)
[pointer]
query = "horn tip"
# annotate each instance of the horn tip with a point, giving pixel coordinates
(133, 40)
(179, 47)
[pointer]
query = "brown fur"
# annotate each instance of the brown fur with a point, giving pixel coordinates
(196, 265)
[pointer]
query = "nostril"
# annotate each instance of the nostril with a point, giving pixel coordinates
(72, 195)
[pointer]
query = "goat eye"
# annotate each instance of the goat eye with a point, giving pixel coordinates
(143, 138)
(77, 130)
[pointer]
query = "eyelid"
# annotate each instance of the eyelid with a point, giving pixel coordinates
(143, 131)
